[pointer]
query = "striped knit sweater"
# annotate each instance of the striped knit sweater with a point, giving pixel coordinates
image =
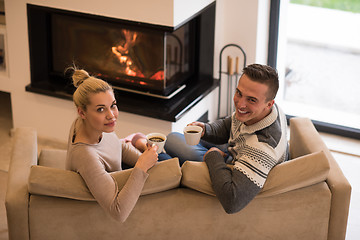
(255, 150)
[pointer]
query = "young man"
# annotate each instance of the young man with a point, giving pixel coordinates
(253, 139)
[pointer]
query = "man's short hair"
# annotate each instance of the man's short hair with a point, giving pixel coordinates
(266, 75)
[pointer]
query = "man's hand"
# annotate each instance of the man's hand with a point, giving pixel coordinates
(214, 149)
(200, 124)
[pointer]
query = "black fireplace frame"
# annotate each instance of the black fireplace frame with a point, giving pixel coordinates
(197, 87)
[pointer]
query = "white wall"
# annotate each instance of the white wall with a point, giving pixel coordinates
(184, 9)
(238, 21)
(245, 23)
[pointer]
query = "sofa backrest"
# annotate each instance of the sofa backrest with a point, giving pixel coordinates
(304, 138)
(306, 167)
(54, 158)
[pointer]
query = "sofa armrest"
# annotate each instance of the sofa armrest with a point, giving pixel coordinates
(305, 139)
(340, 202)
(54, 182)
(24, 154)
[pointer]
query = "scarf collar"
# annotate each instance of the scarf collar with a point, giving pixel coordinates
(240, 127)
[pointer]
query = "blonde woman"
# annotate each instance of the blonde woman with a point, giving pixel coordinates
(94, 149)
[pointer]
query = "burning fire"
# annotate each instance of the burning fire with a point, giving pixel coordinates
(121, 51)
(158, 76)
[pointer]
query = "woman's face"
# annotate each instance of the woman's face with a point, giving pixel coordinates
(101, 114)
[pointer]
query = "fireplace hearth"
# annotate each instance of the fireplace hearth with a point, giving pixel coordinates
(157, 71)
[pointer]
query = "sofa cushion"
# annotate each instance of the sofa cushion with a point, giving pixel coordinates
(297, 173)
(195, 175)
(55, 182)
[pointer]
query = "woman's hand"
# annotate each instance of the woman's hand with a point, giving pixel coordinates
(148, 158)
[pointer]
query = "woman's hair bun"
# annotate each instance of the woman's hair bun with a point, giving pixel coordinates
(78, 75)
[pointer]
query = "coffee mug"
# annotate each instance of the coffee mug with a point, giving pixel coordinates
(192, 134)
(158, 139)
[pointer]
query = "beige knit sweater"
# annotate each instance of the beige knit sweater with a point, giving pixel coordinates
(94, 162)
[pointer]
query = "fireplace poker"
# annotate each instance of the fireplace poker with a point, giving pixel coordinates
(229, 85)
(232, 78)
(236, 79)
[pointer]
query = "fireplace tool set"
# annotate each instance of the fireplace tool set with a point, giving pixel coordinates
(231, 77)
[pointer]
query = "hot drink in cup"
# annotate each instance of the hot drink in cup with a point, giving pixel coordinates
(192, 134)
(158, 139)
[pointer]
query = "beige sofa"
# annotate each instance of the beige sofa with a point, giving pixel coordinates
(305, 198)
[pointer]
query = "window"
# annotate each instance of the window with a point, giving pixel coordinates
(318, 59)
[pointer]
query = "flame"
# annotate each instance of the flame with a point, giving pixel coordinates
(158, 76)
(130, 39)
(121, 51)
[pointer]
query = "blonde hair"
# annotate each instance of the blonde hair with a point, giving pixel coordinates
(86, 85)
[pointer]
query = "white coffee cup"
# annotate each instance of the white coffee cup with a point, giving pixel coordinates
(192, 134)
(158, 139)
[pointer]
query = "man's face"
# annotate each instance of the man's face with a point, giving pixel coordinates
(250, 100)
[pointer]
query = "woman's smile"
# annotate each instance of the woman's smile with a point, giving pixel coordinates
(111, 124)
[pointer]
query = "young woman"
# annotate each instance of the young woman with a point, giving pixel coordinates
(94, 149)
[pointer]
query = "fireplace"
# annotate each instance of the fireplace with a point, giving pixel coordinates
(144, 62)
